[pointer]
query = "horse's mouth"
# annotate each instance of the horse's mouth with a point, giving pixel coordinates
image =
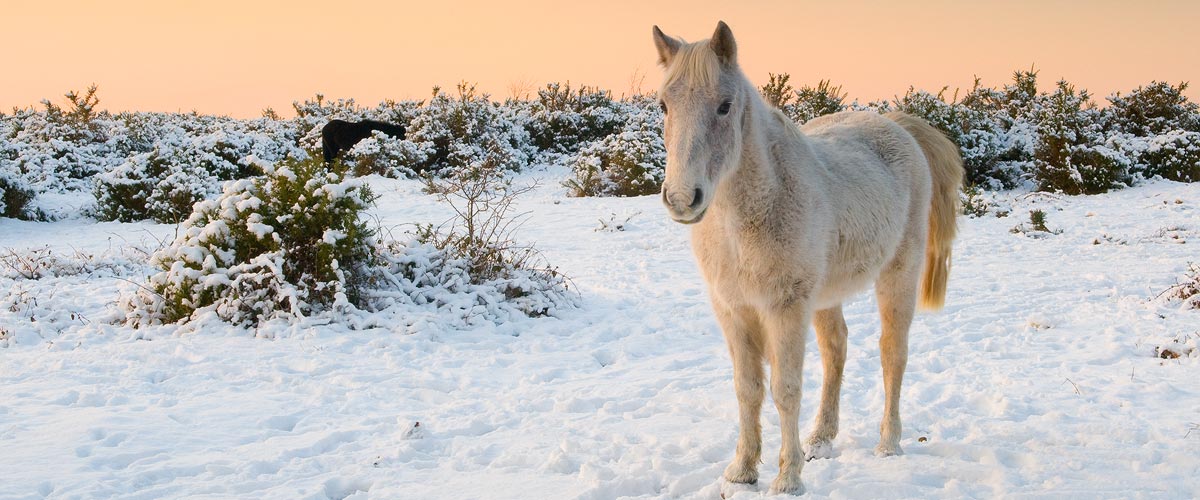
(693, 220)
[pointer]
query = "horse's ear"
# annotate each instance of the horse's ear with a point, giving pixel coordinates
(722, 43)
(667, 47)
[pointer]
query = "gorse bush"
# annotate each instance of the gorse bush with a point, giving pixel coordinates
(561, 120)
(15, 194)
(1155, 109)
(823, 99)
(804, 104)
(631, 162)
(454, 131)
(163, 184)
(1172, 155)
(289, 243)
(978, 136)
(388, 156)
(1070, 155)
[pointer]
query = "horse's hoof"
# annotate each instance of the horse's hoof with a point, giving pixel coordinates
(730, 488)
(818, 449)
(787, 485)
(885, 450)
(738, 474)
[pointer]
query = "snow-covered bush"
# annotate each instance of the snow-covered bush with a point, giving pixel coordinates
(1156, 109)
(15, 193)
(978, 136)
(291, 242)
(453, 132)
(812, 102)
(778, 92)
(417, 273)
(631, 162)
(163, 184)
(1172, 155)
(480, 235)
(804, 104)
(60, 149)
(562, 119)
(1071, 155)
(388, 156)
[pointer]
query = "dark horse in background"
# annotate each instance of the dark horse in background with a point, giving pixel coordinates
(341, 135)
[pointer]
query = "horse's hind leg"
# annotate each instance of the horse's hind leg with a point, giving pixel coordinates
(896, 292)
(745, 348)
(831, 337)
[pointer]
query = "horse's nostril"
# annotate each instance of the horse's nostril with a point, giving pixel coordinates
(699, 197)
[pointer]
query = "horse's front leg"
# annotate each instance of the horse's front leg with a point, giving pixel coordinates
(745, 348)
(786, 330)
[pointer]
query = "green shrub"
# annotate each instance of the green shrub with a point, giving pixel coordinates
(163, 184)
(812, 102)
(1071, 155)
(1172, 155)
(562, 119)
(15, 196)
(291, 242)
(631, 162)
(1156, 109)
(804, 104)
(454, 131)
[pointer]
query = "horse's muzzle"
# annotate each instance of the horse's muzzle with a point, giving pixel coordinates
(684, 210)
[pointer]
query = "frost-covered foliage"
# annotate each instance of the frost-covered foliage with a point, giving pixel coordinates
(974, 131)
(382, 154)
(631, 162)
(562, 119)
(804, 104)
(1171, 155)
(162, 184)
(419, 273)
(1070, 154)
(454, 131)
(1159, 129)
(289, 243)
(480, 236)
(1157, 108)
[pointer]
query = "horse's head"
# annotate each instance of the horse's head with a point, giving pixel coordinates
(704, 97)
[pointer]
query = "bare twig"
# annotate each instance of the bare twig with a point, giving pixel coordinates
(1075, 386)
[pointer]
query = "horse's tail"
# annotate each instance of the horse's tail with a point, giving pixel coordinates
(946, 168)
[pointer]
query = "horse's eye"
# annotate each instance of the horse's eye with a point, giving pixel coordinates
(663, 105)
(724, 108)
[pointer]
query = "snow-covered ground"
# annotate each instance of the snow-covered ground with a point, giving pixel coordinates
(1039, 379)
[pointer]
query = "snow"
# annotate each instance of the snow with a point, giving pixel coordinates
(1040, 378)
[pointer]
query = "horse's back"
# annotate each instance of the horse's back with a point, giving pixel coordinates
(875, 172)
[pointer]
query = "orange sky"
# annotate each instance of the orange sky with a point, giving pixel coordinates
(239, 57)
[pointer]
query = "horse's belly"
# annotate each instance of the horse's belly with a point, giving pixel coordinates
(854, 268)
(840, 287)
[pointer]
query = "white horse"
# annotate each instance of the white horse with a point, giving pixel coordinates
(788, 223)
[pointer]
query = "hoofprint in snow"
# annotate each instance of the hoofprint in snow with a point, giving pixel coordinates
(1041, 378)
